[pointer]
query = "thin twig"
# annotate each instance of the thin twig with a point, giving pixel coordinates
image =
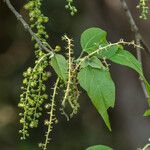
(105, 48)
(138, 39)
(69, 48)
(51, 115)
(139, 57)
(27, 27)
(133, 25)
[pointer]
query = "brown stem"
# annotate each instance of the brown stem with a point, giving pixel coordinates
(133, 25)
(138, 39)
(27, 27)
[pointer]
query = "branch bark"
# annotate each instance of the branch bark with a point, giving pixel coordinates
(27, 27)
(133, 25)
(138, 39)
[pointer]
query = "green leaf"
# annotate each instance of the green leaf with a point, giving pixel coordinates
(147, 112)
(109, 52)
(92, 38)
(94, 62)
(124, 57)
(99, 147)
(100, 88)
(60, 65)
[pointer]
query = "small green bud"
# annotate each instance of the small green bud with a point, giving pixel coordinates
(21, 120)
(47, 106)
(72, 13)
(66, 6)
(40, 69)
(57, 48)
(46, 19)
(40, 145)
(29, 71)
(36, 46)
(33, 84)
(33, 124)
(24, 74)
(22, 138)
(40, 20)
(21, 105)
(25, 81)
(75, 10)
(56, 121)
(46, 122)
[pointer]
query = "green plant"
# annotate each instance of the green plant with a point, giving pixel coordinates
(142, 6)
(69, 6)
(90, 70)
(102, 147)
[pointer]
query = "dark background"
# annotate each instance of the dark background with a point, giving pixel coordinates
(130, 129)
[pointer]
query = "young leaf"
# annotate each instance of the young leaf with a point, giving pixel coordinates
(94, 62)
(60, 65)
(100, 88)
(92, 38)
(99, 147)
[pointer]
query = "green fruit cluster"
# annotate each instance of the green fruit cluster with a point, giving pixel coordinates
(34, 89)
(144, 9)
(37, 19)
(33, 96)
(70, 7)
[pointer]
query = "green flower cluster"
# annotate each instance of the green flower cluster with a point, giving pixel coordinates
(33, 95)
(52, 119)
(34, 89)
(37, 20)
(70, 7)
(71, 94)
(144, 9)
